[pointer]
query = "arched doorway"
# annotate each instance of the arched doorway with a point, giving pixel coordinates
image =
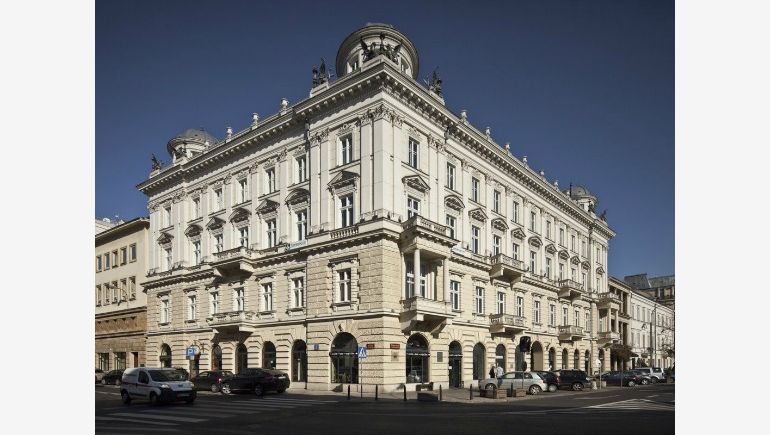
(216, 357)
(587, 362)
(576, 360)
(299, 361)
(417, 359)
(500, 359)
(564, 358)
(536, 356)
(552, 359)
(479, 363)
(344, 358)
(455, 364)
(268, 355)
(241, 358)
(165, 356)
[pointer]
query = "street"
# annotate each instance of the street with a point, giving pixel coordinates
(638, 410)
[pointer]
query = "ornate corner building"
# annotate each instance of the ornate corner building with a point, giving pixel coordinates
(369, 215)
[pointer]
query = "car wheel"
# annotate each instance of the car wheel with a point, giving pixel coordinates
(118, 382)
(535, 390)
(225, 388)
(104, 381)
(645, 382)
(654, 380)
(258, 390)
(125, 397)
(153, 399)
(577, 386)
(281, 390)
(631, 383)
(552, 388)
(214, 388)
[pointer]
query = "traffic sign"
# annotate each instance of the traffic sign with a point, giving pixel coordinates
(190, 351)
(362, 352)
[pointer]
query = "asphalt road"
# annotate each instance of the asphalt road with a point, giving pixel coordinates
(639, 410)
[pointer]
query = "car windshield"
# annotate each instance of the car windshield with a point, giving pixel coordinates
(167, 375)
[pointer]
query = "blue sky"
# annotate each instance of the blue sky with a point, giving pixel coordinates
(584, 89)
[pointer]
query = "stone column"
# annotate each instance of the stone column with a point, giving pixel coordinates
(416, 269)
(314, 172)
(445, 283)
(367, 172)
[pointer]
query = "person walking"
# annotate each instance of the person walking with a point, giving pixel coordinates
(492, 372)
(499, 372)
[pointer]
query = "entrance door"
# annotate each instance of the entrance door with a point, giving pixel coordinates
(455, 365)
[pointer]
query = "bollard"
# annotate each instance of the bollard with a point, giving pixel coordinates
(471, 391)
(439, 393)
(404, 393)
(348, 392)
(376, 392)
(362, 391)
(511, 389)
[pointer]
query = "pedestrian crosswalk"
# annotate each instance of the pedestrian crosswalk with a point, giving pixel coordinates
(144, 417)
(635, 405)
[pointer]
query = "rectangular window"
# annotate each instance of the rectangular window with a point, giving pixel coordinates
(123, 292)
(564, 316)
(343, 293)
(536, 311)
(561, 270)
(196, 252)
(243, 190)
(169, 259)
(219, 203)
(532, 217)
(346, 211)
(533, 262)
(561, 236)
(572, 243)
(496, 242)
(115, 258)
(114, 288)
(132, 288)
(496, 201)
(167, 216)
(454, 294)
(243, 236)
(301, 169)
(132, 252)
(164, 311)
(588, 321)
(583, 248)
(99, 260)
(414, 152)
(450, 176)
(270, 173)
(214, 302)
(298, 293)
(548, 267)
(548, 229)
(192, 308)
(219, 243)
(301, 225)
(475, 189)
(409, 284)
(123, 256)
(451, 222)
(573, 276)
(196, 208)
(239, 302)
(479, 300)
(98, 295)
(346, 149)
(475, 235)
(520, 306)
(584, 279)
(552, 315)
(515, 211)
(515, 251)
(412, 207)
(106, 261)
(500, 303)
(267, 297)
(577, 318)
(423, 281)
(272, 233)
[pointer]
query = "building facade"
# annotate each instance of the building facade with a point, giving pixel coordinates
(369, 215)
(120, 302)
(653, 332)
(660, 288)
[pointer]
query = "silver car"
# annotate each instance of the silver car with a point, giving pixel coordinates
(532, 382)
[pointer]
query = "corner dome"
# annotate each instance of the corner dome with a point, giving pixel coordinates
(583, 197)
(190, 142)
(373, 40)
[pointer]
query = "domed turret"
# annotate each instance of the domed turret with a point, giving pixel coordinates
(373, 40)
(190, 142)
(585, 199)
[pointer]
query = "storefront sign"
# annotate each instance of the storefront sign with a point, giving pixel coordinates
(370, 345)
(395, 345)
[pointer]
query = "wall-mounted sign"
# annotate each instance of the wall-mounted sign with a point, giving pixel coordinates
(370, 345)
(395, 345)
(316, 347)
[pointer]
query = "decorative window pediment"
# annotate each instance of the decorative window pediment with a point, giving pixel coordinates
(479, 214)
(535, 242)
(563, 254)
(518, 233)
(297, 196)
(343, 179)
(550, 248)
(416, 182)
(499, 224)
(454, 202)
(586, 265)
(267, 206)
(165, 239)
(239, 214)
(575, 260)
(215, 223)
(600, 270)
(193, 230)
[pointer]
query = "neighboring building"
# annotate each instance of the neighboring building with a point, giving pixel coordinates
(371, 216)
(121, 304)
(660, 288)
(620, 318)
(104, 224)
(652, 344)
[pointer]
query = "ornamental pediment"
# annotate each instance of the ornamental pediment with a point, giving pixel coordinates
(239, 214)
(600, 270)
(215, 222)
(563, 254)
(416, 182)
(518, 233)
(575, 260)
(165, 238)
(535, 242)
(586, 265)
(479, 214)
(342, 179)
(267, 206)
(454, 202)
(193, 230)
(297, 196)
(550, 248)
(499, 224)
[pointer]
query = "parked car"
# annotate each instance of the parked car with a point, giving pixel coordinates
(644, 379)
(257, 380)
(112, 377)
(186, 373)
(210, 380)
(550, 379)
(655, 373)
(622, 378)
(573, 379)
(531, 381)
(99, 375)
(156, 385)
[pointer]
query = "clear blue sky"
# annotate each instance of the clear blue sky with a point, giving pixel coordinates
(585, 89)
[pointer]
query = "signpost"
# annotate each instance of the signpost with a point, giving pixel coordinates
(191, 351)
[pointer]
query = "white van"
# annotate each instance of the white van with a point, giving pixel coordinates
(156, 385)
(655, 373)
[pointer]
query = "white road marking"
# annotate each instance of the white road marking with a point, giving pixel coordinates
(286, 399)
(122, 429)
(634, 404)
(162, 417)
(102, 418)
(197, 412)
(595, 398)
(654, 395)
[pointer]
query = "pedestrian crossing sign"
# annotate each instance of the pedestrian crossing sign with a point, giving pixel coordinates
(362, 352)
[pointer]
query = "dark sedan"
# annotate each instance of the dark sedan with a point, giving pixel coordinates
(112, 377)
(258, 381)
(550, 379)
(622, 378)
(211, 380)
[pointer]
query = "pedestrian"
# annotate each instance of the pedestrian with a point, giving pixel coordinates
(492, 372)
(499, 373)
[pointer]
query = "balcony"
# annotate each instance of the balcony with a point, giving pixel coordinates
(233, 321)
(608, 337)
(232, 261)
(506, 267)
(571, 333)
(607, 299)
(419, 230)
(344, 232)
(570, 289)
(427, 315)
(504, 323)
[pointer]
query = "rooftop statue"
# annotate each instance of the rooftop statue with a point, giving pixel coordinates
(156, 164)
(434, 85)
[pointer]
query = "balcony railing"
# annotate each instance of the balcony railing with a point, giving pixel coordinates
(231, 317)
(420, 222)
(604, 299)
(430, 314)
(507, 323)
(240, 251)
(344, 232)
(569, 288)
(570, 332)
(506, 261)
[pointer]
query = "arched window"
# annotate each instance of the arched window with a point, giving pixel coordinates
(417, 359)
(299, 361)
(479, 363)
(576, 360)
(165, 356)
(455, 364)
(552, 359)
(216, 357)
(268, 355)
(536, 357)
(587, 362)
(564, 357)
(344, 358)
(241, 358)
(500, 360)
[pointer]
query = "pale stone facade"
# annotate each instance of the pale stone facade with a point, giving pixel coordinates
(292, 243)
(654, 345)
(120, 302)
